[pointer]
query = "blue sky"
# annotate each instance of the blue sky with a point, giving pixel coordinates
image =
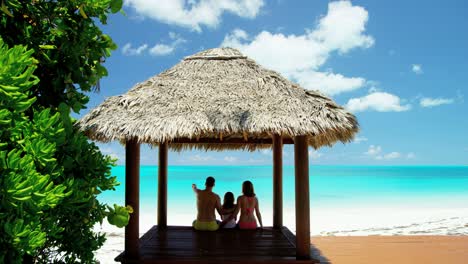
(400, 66)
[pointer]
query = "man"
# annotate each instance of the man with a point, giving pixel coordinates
(207, 202)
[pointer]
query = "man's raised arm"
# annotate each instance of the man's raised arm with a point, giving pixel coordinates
(194, 188)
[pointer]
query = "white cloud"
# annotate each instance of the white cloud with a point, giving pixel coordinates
(358, 140)
(327, 82)
(300, 56)
(431, 102)
(343, 27)
(161, 50)
(235, 37)
(193, 14)
(114, 152)
(376, 153)
(378, 101)
(313, 154)
(389, 156)
(255, 161)
(417, 68)
(129, 51)
(266, 152)
(373, 150)
(230, 159)
(200, 158)
(166, 49)
(287, 54)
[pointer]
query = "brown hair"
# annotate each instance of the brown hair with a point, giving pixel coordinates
(248, 189)
(228, 200)
(210, 182)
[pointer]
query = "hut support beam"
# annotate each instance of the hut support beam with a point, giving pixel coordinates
(132, 197)
(301, 165)
(277, 181)
(162, 185)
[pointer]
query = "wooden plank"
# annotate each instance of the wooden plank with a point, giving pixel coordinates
(162, 185)
(289, 236)
(277, 181)
(185, 245)
(301, 164)
(132, 196)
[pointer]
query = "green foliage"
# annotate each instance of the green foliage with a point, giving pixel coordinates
(27, 164)
(50, 175)
(119, 215)
(69, 46)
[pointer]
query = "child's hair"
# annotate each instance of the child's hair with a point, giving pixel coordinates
(228, 200)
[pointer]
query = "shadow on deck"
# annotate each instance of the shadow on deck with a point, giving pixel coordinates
(182, 244)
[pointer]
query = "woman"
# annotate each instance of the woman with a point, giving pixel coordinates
(247, 204)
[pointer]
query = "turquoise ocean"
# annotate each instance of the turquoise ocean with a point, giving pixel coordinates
(343, 199)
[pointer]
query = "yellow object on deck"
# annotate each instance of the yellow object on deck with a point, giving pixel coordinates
(205, 226)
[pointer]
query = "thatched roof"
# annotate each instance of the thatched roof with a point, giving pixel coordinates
(218, 95)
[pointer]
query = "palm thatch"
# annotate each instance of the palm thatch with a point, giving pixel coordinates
(219, 96)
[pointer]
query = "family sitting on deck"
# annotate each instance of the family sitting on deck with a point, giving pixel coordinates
(208, 202)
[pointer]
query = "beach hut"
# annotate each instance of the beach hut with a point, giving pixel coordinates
(214, 100)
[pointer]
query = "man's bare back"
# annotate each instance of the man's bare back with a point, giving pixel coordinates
(207, 203)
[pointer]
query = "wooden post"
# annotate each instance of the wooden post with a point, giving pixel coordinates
(132, 197)
(277, 181)
(301, 164)
(162, 185)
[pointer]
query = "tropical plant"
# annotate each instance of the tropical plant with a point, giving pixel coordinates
(50, 174)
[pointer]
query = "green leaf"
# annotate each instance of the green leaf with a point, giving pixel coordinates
(119, 216)
(9, 88)
(22, 192)
(24, 105)
(5, 10)
(116, 5)
(47, 47)
(23, 198)
(82, 12)
(13, 159)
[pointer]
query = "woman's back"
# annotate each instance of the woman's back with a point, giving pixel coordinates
(247, 207)
(247, 204)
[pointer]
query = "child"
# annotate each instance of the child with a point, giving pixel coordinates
(227, 209)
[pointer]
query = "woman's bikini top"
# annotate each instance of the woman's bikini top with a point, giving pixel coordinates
(249, 210)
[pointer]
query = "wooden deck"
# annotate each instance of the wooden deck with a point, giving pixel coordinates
(177, 244)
